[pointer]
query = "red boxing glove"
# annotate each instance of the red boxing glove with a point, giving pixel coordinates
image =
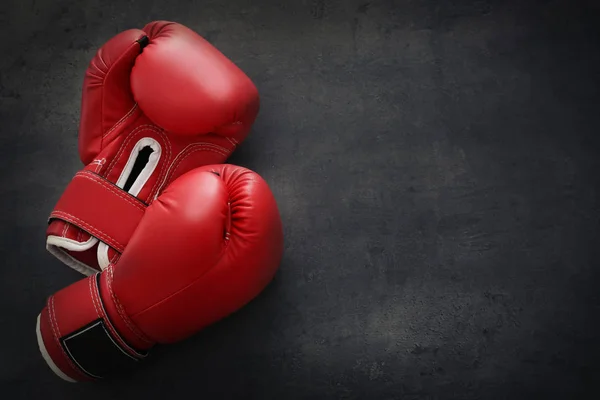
(204, 248)
(156, 103)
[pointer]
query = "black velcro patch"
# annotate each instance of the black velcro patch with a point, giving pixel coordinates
(95, 352)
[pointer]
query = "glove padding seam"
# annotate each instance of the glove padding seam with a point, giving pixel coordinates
(164, 168)
(103, 80)
(98, 313)
(203, 146)
(120, 309)
(97, 300)
(120, 122)
(149, 34)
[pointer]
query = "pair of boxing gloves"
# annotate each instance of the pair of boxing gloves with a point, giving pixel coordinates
(171, 240)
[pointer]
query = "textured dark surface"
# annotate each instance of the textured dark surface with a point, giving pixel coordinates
(436, 166)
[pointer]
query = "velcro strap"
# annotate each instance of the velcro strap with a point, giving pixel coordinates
(100, 208)
(97, 349)
(95, 352)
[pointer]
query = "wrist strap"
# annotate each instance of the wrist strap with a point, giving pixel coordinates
(100, 208)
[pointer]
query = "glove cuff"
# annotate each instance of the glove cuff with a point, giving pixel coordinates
(79, 337)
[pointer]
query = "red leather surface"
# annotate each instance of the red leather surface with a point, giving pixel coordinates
(69, 318)
(91, 202)
(78, 305)
(206, 246)
(187, 86)
(117, 314)
(50, 335)
(117, 152)
(106, 97)
(60, 318)
(178, 90)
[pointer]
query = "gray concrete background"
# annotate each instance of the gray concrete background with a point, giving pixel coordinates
(436, 166)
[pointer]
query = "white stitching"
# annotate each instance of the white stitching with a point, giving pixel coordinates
(190, 150)
(92, 177)
(104, 237)
(163, 169)
(65, 230)
(125, 143)
(119, 122)
(56, 332)
(110, 326)
(120, 308)
(91, 278)
(96, 299)
(53, 315)
(99, 163)
(102, 78)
